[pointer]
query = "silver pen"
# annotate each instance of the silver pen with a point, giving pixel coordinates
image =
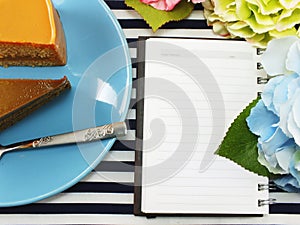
(87, 135)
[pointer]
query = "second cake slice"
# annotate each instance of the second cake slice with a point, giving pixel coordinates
(20, 97)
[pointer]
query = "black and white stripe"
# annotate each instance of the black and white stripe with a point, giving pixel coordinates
(107, 192)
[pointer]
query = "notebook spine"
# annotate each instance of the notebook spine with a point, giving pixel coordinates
(259, 51)
(266, 187)
(262, 80)
(262, 77)
(264, 202)
(269, 201)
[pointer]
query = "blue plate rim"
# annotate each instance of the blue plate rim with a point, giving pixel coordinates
(110, 142)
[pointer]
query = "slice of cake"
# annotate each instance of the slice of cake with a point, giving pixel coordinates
(19, 97)
(31, 34)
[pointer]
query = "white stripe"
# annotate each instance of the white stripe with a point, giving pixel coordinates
(196, 15)
(126, 14)
(131, 115)
(130, 219)
(122, 177)
(130, 136)
(133, 93)
(193, 33)
(131, 14)
(119, 156)
(128, 198)
(132, 52)
(282, 197)
(133, 72)
(112, 198)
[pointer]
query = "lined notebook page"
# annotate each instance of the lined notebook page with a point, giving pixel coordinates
(194, 88)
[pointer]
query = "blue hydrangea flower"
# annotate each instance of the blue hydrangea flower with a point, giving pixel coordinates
(277, 149)
(282, 56)
(291, 182)
(276, 117)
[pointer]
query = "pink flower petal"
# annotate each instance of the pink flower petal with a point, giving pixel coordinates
(197, 1)
(148, 1)
(165, 5)
(160, 4)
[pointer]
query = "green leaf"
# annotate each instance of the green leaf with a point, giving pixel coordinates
(156, 18)
(240, 144)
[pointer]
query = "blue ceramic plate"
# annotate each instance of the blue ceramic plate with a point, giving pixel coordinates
(99, 70)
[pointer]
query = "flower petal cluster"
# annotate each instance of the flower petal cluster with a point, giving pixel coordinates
(276, 117)
(282, 56)
(166, 5)
(258, 21)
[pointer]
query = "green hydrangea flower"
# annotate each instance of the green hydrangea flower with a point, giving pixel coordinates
(258, 21)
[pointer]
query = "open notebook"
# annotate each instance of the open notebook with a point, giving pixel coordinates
(189, 92)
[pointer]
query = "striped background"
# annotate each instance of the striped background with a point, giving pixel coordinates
(106, 195)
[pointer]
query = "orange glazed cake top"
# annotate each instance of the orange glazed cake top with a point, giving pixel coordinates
(27, 21)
